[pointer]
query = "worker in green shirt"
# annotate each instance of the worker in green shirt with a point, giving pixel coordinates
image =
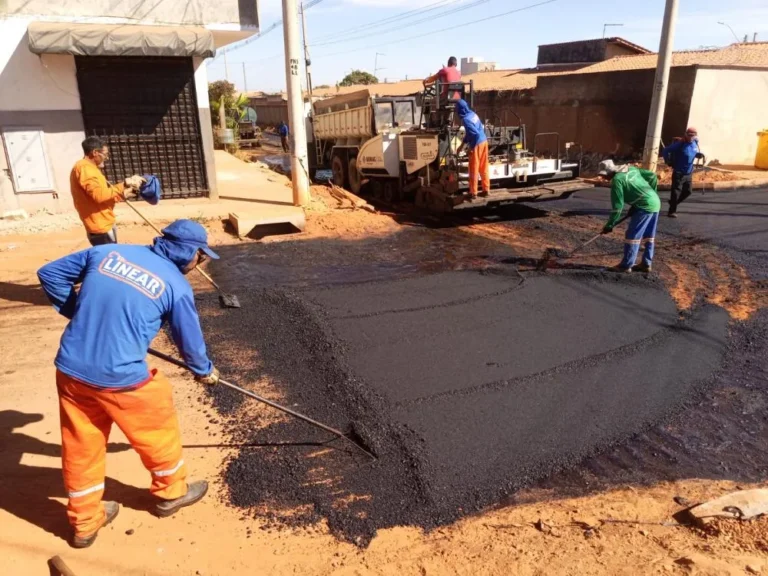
(636, 187)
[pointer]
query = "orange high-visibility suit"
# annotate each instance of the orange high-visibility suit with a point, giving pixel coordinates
(126, 294)
(478, 167)
(145, 415)
(93, 197)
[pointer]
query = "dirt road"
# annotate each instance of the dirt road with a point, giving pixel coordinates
(367, 283)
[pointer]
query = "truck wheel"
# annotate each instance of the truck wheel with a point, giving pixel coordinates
(339, 169)
(355, 178)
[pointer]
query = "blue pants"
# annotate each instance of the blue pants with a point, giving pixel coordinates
(642, 228)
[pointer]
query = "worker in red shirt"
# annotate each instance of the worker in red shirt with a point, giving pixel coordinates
(447, 75)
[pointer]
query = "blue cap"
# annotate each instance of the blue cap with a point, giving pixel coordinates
(189, 232)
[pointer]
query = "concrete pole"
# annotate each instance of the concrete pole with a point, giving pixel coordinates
(245, 81)
(660, 85)
(307, 59)
(298, 130)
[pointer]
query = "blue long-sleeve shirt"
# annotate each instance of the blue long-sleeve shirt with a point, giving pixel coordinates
(474, 130)
(127, 292)
(681, 154)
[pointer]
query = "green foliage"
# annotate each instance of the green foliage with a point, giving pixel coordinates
(235, 106)
(358, 77)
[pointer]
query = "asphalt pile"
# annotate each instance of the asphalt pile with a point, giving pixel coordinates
(468, 386)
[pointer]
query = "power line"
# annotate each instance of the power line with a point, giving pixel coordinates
(398, 40)
(276, 24)
(390, 19)
(407, 24)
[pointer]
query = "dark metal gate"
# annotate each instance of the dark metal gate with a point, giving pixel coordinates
(146, 111)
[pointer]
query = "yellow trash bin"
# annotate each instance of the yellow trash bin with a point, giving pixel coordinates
(761, 158)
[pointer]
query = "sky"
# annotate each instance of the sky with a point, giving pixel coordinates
(347, 34)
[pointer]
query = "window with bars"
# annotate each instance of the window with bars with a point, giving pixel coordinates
(145, 109)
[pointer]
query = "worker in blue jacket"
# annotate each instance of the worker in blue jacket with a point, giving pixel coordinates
(681, 155)
(477, 142)
(127, 292)
(282, 129)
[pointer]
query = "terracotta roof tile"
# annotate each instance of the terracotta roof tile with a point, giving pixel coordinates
(749, 55)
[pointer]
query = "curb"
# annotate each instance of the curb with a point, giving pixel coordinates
(722, 186)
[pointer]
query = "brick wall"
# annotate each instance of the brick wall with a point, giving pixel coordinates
(607, 113)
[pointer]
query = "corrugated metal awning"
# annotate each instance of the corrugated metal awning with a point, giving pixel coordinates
(119, 40)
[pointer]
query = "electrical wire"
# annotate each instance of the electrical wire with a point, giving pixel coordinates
(390, 19)
(441, 30)
(276, 24)
(398, 27)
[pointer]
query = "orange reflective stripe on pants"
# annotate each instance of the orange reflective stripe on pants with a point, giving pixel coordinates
(478, 165)
(147, 418)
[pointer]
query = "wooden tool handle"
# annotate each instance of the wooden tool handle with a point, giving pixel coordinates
(61, 566)
(156, 229)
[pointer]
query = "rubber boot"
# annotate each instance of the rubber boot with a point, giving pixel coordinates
(643, 268)
(195, 493)
(112, 509)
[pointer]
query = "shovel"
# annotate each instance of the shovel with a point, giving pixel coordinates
(351, 437)
(226, 300)
(551, 253)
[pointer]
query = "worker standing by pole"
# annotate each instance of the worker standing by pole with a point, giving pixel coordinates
(660, 84)
(298, 141)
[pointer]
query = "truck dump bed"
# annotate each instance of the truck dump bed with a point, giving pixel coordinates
(346, 116)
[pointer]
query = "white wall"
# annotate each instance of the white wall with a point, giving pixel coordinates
(31, 82)
(206, 128)
(728, 108)
(224, 14)
(40, 92)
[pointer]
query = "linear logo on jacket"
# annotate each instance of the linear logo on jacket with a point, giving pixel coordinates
(117, 267)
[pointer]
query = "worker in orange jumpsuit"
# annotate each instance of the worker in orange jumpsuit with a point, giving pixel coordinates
(477, 141)
(126, 294)
(94, 197)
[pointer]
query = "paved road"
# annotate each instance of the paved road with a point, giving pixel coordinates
(735, 219)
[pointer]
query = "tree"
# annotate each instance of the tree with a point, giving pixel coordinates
(358, 77)
(235, 105)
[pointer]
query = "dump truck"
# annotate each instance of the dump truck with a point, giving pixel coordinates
(405, 148)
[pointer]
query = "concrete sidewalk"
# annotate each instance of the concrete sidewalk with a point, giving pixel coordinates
(249, 190)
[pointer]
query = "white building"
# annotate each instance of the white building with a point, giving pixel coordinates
(474, 64)
(129, 71)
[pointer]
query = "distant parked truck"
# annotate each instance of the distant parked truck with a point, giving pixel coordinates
(405, 148)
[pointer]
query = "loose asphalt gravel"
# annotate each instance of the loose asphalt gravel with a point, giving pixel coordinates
(470, 385)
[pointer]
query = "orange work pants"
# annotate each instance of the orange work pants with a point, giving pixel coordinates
(148, 419)
(478, 166)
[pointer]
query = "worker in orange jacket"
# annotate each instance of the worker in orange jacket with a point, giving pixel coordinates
(94, 197)
(126, 294)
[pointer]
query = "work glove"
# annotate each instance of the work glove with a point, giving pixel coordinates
(134, 182)
(211, 380)
(607, 229)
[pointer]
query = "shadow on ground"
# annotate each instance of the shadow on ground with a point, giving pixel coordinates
(28, 491)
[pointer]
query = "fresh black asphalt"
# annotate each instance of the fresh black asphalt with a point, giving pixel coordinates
(468, 385)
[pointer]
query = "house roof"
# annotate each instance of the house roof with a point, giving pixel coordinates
(612, 40)
(749, 55)
(743, 55)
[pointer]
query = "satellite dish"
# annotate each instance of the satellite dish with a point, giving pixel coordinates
(250, 115)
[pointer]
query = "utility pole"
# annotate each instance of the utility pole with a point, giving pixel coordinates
(608, 25)
(660, 85)
(731, 29)
(245, 80)
(298, 137)
(376, 64)
(226, 66)
(307, 59)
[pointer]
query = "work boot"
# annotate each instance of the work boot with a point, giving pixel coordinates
(484, 194)
(671, 215)
(643, 268)
(195, 493)
(471, 197)
(620, 269)
(112, 509)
